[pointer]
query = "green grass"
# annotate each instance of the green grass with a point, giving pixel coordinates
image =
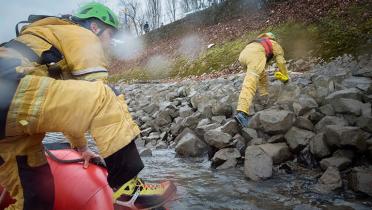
(330, 37)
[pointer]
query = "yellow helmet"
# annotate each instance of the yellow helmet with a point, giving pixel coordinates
(269, 35)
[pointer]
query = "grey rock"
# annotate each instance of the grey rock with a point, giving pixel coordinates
(288, 94)
(347, 106)
(257, 165)
(315, 116)
(304, 123)
(185, 132)
(256, 141)
(346, 136)
(327, 110)
(222, 108)
(276, 139)
(146, 131)
(249, 133)
(190, 145)
(318, 146)
(344, 153)
(304, 104)
(339, 162)
(331, 178)
(201, 129)
(146, 152)
(298, 138)
(161, 145)
(150, 109)
(240, 143)
(231, 127)
(226, 154)
(191, 121)
(218, 119)
(329, 120)
(163, 118)
(362, 83)
(324, 86)
(217, 138)
(185, 111)
(363, 71)
(279, 152)
(352, 93)
(276, 121)
(204, 121)
(230, 163)
(361, 180)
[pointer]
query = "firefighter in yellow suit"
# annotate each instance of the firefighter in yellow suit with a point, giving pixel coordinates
(40, 92)
(254, 57)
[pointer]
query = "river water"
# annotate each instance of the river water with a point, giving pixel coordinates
(201, 187)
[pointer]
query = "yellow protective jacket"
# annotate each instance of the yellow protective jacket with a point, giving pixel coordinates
(81, 55)
(254, 58)
(80, 51)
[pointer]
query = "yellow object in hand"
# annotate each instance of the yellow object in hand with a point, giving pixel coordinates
(279, 76)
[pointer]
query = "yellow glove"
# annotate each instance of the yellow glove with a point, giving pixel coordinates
(279, 76)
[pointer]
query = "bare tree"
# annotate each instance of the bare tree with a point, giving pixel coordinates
(171, 6)
(153, 12)
(129, 14)
(186, 5)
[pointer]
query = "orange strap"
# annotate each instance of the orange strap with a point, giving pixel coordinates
(266, 43)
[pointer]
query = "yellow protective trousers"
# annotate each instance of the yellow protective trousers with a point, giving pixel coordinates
(73, 107)
(254, 59)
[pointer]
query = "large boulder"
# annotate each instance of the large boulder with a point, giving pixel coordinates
(304, 104)
(331, 179)
(346, 136)
(298, 138)
(302, 122)
(278, 152)
(185, 111)
(288, 94)
(329, 120)
(249, 133)
(365, 123)
(226, 154)
(361, 180)
(347, 106)
(162, 118)
(189, 144)
(222, 107)
(231, 127)
(201, 128)
(362, 83)
(327, 110)
(258, 164)
(351, 93)
(319, 147)
(275, 121)
(340, 162)
(217, 138)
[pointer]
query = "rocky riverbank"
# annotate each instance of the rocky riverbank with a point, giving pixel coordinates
(320, 122)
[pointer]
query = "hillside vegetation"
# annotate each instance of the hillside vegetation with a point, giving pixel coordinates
(319, 28)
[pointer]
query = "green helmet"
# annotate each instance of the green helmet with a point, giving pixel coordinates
(269, 35)
(99, 11)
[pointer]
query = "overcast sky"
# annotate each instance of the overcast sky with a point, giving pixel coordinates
(13, 11)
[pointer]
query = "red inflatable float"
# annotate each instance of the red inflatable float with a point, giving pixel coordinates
(75, 188)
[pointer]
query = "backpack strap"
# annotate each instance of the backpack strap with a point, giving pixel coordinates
(268, 46)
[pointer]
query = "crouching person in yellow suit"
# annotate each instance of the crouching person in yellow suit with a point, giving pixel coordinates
(32, 105)
(254, 57)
